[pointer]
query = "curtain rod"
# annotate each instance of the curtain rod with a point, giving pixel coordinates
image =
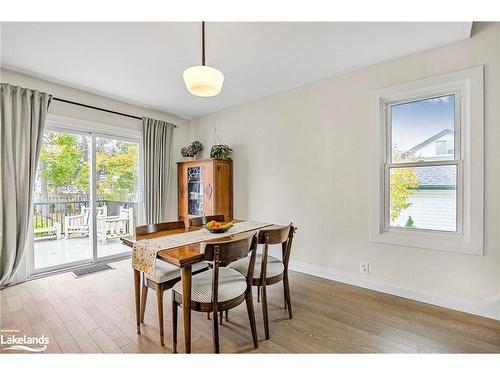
(99, 109)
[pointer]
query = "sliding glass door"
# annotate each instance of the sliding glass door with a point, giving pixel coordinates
(86, 196)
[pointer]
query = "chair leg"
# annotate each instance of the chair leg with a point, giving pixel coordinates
(174, 323)
(227, 315)
(215, 333)
(286, 287)
(251, 317)
(159, 300)
(264, 312)
(144, 298)
(284, 295)
(220, 313)
(208, 316)
(258, 294)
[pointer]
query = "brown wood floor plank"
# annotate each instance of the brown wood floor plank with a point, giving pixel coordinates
(97, 314)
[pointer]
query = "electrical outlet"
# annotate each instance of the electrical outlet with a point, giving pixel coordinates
(364, 267)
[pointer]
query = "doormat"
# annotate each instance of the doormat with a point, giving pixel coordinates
(85, 271)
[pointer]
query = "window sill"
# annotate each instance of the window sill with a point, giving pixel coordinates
(440, 241)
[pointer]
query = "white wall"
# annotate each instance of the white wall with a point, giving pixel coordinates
(302, 156)
(181, 134)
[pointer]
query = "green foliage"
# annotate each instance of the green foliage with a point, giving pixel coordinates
(403, 184)
(40, 222)
(117, 171)
(221, 152)
(65, 169)
(62, 159)
(409, 223)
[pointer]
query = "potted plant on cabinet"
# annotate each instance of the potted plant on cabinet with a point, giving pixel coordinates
(221, 152)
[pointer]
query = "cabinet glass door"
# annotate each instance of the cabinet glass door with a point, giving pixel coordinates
(195, 190)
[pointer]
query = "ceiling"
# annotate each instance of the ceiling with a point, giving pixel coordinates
(142, 63)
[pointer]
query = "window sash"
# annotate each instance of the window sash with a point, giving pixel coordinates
(430, 95)
(458, 196)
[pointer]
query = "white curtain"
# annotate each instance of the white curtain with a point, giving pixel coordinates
(22, 119)
(157, 139)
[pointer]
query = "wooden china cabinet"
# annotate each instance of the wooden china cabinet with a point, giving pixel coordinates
(205, 187)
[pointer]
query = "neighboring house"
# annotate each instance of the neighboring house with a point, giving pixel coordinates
(438, 147)
(437, 186)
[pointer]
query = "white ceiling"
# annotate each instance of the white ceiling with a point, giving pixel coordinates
(142, 63)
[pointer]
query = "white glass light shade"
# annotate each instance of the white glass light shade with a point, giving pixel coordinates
(203, 80)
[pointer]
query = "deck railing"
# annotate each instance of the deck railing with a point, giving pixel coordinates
(47, 214)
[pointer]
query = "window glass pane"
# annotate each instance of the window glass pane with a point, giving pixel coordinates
(423, 130)
(117, 189)
(424, 197)
(61, 209)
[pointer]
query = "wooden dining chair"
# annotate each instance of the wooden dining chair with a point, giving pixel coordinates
(270, 270)
(202, 220)
(167, 275)
(221, 288)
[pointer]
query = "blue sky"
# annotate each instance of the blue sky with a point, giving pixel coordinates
(413, 123)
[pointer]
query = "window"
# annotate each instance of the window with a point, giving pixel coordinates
(422, 185)
(441, 148)
(427, 164)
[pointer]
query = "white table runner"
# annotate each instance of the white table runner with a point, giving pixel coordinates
(145, 251)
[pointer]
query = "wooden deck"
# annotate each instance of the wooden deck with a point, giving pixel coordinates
(52, 252)
(95, 314)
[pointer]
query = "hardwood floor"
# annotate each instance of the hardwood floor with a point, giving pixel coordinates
(95, 314)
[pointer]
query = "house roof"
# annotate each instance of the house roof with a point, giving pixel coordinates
(438, 177)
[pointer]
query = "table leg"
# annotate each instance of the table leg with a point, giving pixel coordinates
(186, 305)
(137, 291)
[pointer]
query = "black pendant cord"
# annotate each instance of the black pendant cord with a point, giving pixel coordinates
(99, 109)
(203, 43)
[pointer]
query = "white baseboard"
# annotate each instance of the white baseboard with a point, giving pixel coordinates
(488, 308)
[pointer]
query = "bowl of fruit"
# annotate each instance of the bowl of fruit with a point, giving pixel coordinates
(217, 227)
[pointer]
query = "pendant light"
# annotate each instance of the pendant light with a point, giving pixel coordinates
(203, 80)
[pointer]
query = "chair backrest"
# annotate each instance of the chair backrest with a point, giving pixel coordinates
(202, 220)
(158, 227)
(275, 236)
(102, 211)
(127, 213)
(228, 251)
(85, 212)
(124, 212)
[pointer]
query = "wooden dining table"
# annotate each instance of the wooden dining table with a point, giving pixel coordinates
(183, 257)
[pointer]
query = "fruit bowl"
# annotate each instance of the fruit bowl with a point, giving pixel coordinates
(216, 227)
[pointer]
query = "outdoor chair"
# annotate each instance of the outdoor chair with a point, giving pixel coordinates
(79, 224)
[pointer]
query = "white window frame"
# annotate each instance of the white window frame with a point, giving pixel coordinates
(467, 85)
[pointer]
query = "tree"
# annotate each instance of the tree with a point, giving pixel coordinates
(403, 183)
(410, 223)
(62, 159)
(116, 164)
(64, 166)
